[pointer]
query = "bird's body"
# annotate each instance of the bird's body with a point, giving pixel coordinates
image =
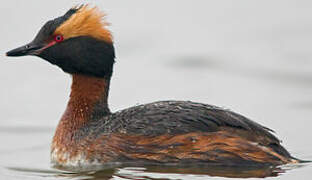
(171, 132)
(164, 132)
(167, 132)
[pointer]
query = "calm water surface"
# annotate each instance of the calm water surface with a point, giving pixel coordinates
(253, 57)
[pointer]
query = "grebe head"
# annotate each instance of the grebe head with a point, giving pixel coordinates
(78, 42)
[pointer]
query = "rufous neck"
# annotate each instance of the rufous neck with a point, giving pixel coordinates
(87, 103)
(89, 94)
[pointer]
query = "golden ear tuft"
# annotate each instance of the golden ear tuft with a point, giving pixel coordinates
(86, 21)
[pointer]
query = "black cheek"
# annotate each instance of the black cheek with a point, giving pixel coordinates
(82, 55)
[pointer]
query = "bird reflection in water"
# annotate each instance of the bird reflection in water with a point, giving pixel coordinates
(167, 172)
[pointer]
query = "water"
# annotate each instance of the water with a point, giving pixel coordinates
(253, 57)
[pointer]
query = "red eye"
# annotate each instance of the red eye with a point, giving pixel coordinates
(58, 38)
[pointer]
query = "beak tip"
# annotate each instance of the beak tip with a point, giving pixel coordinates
(9, 53)
(15, 52)
(28, 49)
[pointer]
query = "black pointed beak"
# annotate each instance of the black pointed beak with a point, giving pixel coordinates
(28, 49)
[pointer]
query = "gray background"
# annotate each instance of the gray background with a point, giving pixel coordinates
(253, 57)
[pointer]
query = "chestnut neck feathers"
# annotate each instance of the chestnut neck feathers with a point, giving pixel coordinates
(87, 103)
(89, 91)
(88, 98)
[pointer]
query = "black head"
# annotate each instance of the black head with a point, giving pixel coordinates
(77, 42)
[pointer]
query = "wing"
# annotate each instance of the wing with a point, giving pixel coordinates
(181, 117)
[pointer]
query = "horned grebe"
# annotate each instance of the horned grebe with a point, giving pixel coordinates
(165, 132)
